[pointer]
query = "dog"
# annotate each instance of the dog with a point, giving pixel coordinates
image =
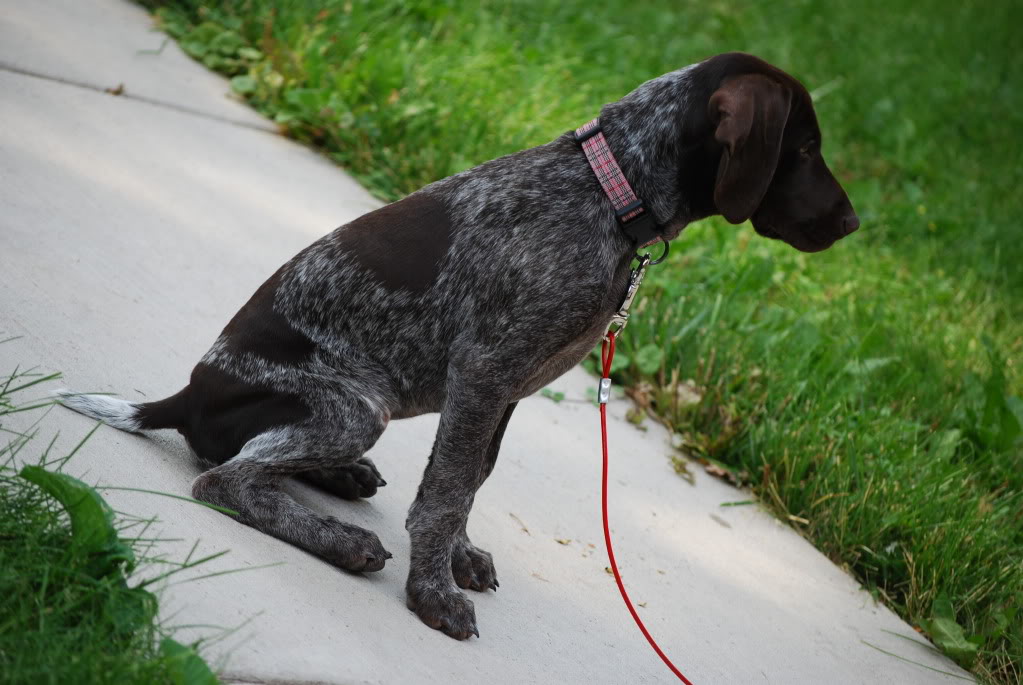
(465, 297)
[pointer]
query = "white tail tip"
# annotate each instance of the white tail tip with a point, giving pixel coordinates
(113, 411)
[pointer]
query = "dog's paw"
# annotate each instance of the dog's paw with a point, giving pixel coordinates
(353, 548)
(446, 610)
(350, 481)
(472, 567)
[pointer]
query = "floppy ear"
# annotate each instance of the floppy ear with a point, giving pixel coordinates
(749, 112)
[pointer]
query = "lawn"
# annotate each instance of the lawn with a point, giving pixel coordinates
(77, 580)
(868, 395)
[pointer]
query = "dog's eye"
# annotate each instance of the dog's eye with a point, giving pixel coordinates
(806, 151)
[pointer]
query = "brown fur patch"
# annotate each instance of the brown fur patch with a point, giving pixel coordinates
(260, 330)
(402, 244)
(225, 412)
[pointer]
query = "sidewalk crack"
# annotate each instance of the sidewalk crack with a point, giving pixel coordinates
(120, 92)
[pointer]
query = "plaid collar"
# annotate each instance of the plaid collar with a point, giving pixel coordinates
(636, 220)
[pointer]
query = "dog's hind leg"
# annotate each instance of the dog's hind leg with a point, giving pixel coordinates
(349, 481)
(249, 484)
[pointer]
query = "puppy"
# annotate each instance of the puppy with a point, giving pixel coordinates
(465, 297)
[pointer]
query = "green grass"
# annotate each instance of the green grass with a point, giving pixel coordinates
(869, 394)
(68, 611)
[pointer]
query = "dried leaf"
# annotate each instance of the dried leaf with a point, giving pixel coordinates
(715, 470)
(681, 467)
(688, 394)
(521, 524)
(642, 394)
(720, 521)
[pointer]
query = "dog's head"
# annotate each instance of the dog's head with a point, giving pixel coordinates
(770, 168)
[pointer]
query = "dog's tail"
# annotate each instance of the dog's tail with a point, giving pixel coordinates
(129, 416)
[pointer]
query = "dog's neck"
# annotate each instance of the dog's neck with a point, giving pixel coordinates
(658, 134)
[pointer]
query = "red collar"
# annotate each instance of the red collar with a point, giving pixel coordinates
(635, 219)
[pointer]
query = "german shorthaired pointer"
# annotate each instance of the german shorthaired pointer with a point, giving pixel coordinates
(465, 297)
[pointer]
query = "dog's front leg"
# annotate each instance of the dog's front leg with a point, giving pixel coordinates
(474, 567)
(459, 463)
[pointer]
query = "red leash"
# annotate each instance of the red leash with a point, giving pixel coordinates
(607, 353)
(639, 224)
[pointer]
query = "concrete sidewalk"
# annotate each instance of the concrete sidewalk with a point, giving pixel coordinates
(130, 232)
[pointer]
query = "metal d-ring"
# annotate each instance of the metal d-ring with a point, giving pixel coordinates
(664, 255)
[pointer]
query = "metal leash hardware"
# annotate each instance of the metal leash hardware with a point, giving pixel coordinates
(621, 319)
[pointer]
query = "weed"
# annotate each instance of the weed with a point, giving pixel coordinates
(555, 396)
(68, 613)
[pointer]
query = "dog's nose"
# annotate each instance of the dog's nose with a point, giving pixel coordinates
(850, 223)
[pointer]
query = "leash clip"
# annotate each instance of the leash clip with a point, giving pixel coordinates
(621, 319)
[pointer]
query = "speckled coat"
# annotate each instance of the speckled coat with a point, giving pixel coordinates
(465, 297)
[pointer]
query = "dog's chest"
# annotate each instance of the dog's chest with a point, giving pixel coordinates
(554, 367)
(584, 342)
